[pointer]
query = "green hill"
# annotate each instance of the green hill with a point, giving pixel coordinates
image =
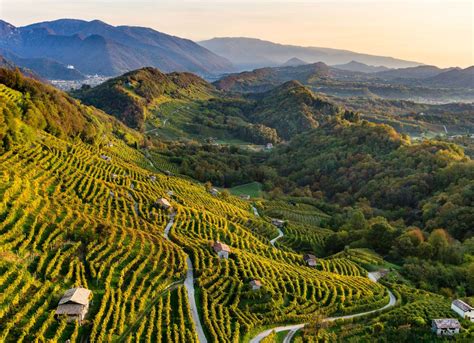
(132, 96)
(292, 109)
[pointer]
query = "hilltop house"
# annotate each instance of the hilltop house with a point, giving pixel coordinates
(256, 285)
(222, 250)
(310, 260)
(445, 327)
(163, 203)
(74, 304)
(278, 222)
(465, 310)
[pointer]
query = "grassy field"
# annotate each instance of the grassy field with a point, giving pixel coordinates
(254, 189)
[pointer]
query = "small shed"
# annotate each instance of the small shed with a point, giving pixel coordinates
(465, 310)
(106, 158)
(244, 196)
(74, 304)
(222, 250)
(269, 146)
(256, 285)
(278, 222)
(310, 260)
(214, 191)
(163, 203)
(445, 326)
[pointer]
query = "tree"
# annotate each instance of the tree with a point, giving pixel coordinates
(381, 235)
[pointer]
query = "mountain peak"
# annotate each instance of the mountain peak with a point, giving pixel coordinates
(294, 62)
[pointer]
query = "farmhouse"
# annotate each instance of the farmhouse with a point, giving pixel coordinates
(278, 222)
(445, 327)
(465, 310)
(310, 260)
(255, 284)
(222, 250)
(74, 304)
(163, 203)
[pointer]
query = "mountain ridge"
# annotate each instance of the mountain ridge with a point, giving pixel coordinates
(95, 47)
(250, 53)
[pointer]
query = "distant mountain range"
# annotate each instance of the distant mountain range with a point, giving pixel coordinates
(250, 53)
(94, 47)
(423, 83)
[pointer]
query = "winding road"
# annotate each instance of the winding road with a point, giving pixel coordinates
(374, 276)
(280, 235)
(189, 284)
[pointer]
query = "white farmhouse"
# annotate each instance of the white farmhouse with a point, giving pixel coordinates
(466, 311)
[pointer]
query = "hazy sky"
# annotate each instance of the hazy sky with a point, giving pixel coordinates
(436, 32)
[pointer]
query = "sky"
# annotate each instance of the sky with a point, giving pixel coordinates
(438, 32)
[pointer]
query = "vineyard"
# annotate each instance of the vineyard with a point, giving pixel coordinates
(78, 214)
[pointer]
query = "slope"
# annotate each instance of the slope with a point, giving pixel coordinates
(75, 213)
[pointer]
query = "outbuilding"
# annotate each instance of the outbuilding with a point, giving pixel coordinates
(74, 304)
(445, 326)
(163, 203)
(278, 222)
(310, 260)
(222, 250)
(465, 310)
(256, 285)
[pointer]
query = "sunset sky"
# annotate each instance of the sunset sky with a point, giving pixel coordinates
(436, 32)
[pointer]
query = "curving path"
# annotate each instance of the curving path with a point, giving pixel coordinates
(189, 284)
(280, 235)
(374, 276)
(254, 209)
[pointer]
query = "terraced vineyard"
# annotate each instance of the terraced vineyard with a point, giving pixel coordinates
(76, 214)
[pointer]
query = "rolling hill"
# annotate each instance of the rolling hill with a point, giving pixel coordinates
(132, 96)
(292, 109)
(95, 47)
(250, 53)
